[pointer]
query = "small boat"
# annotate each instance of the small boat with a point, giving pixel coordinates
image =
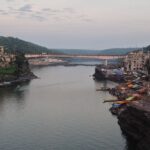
(5, 84)
(115, 105)
(103, 89)
(121, 102)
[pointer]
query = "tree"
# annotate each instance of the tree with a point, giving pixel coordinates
(21, 63)
(147, 65)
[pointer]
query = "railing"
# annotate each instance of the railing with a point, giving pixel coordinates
(31, 56)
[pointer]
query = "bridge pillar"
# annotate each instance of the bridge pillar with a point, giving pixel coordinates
(106, 62)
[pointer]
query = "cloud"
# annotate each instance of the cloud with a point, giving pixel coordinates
(26, 8)
(46, 9)
(37, 17)
(2, 12)
(85, 18)
(69, 10)
(10, 0)
(29, 11)
(64, 10)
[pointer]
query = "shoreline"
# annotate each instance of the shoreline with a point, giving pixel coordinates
(31, 76)
(67, 64)
(132, 109)
(18, 80)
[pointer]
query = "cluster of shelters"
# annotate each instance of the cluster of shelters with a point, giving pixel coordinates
(5, 59)
(110, 72)
(134, 89)
(136, 83)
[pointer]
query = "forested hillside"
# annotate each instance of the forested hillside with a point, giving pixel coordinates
(147, 48)
(113, 51)
(12, 45)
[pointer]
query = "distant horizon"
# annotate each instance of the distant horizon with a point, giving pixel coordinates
(76, 48)
(94, 49)
(70, 24)
(34, 42)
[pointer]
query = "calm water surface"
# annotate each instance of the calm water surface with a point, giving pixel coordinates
(60, 111)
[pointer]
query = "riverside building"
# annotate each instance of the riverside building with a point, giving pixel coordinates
(135, 61)
(5, 59)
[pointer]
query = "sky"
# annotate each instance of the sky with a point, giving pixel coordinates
(77, 24)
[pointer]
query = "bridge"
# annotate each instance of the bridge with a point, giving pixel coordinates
(100, 57)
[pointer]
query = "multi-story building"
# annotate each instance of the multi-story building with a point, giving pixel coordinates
(135, 61)
(1, 50)
(5, 59)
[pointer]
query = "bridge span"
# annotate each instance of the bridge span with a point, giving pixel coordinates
(100, 57)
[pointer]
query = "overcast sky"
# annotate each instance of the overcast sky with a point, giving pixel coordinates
(85, 24)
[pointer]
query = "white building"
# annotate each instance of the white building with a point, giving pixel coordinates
(135, 61)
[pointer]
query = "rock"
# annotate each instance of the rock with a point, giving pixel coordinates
(134, 122)
(21, 73)
(101, 73)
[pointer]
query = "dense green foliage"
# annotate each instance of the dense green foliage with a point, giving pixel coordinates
(147, 65)
(8, 70)
(21, 63)
(14, 44)
(18, 67)
(146, 49)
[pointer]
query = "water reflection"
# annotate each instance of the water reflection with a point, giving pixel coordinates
(60, 111)
(15, 94)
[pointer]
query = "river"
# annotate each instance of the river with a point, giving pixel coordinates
(59, 111)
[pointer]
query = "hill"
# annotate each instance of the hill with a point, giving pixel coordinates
(146, 49)
(113, 51)
(12, 45)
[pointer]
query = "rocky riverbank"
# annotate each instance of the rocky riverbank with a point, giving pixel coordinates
(132, 108)
(131, 105)
(110, 72)
(134, 121)
(17, 72)
(39, 62)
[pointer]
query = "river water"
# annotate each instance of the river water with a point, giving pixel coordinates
(59, 111)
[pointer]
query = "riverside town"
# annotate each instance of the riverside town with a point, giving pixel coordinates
(126, 79)
(130, 100)
(75, 75)
(131, 103)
